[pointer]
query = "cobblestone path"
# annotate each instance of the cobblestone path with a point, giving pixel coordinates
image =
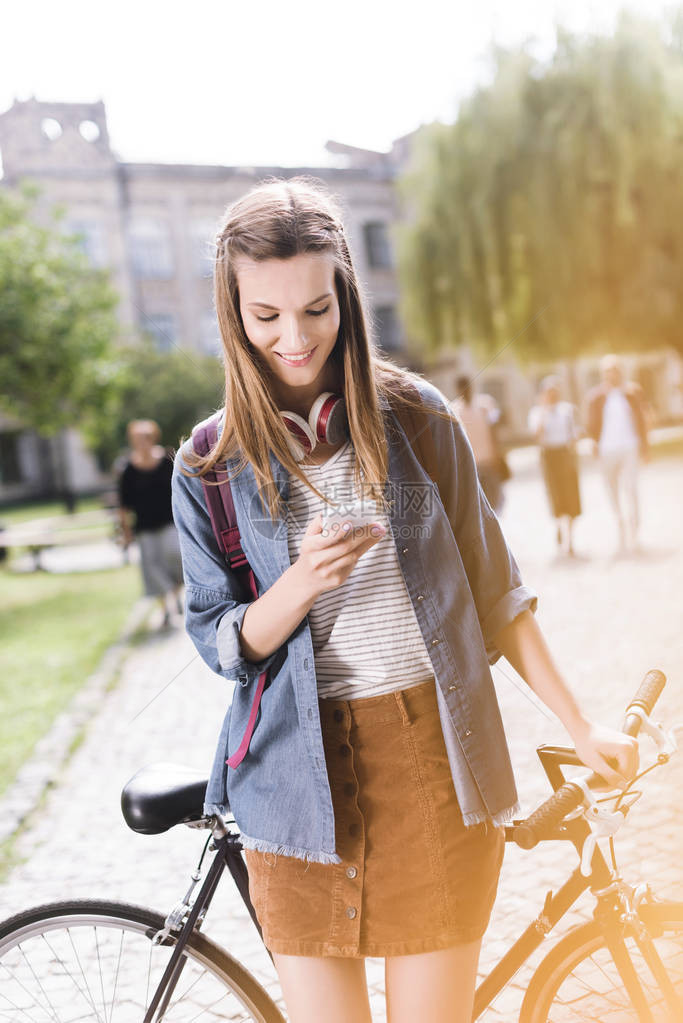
(607, 620)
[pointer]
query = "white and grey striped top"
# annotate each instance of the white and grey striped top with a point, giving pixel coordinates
(366, 638)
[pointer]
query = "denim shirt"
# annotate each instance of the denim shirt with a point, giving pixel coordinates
(464, 585)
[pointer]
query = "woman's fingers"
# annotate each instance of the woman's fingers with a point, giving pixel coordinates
(611, 754)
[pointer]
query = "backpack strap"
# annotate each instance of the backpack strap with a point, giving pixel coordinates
(224, 524)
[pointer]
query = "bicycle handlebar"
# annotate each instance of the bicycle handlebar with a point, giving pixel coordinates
(545, 819)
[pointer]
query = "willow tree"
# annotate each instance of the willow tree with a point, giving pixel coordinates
(550, 214)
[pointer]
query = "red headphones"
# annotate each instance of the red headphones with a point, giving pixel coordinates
(327, 424)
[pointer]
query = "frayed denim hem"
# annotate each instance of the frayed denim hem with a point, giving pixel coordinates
(500, 818)
(261, 845)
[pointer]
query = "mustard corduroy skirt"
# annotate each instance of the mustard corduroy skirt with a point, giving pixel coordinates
(413, 878)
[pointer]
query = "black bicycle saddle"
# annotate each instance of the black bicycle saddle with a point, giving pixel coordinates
(162, 795)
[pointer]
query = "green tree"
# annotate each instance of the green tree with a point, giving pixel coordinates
(57, 321)
(176, 388)
(551, 211)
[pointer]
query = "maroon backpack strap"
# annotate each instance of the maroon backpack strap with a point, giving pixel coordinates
(224, 524)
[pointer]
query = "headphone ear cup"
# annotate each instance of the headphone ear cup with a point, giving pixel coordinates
(300, 435)
(327, 418)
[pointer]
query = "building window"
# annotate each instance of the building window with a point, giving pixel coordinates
(162, 327)
(387, 328)
(204, 246)
(209, 335)
(10, 470)
(377, 246)
(89, 237)
(150, 249)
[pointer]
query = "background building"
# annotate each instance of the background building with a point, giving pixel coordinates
(152, 226)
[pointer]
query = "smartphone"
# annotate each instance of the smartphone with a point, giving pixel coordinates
(358, 513)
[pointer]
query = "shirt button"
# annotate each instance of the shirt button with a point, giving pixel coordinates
(305, 662)
(420, 597)
(434, 642)
(351, 912)
(452, 688)
(349, 789)
(404, 551)
(467, 732)
(351, 872)
(345, 751)
(338, 715)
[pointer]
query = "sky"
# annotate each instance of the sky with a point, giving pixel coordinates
(263, 83)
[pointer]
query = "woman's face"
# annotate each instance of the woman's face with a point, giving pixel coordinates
(290, 314)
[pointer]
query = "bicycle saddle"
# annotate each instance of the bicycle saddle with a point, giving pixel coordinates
(162, 795)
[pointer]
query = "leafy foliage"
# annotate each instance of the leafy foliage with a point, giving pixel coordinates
(550, 214)
(57, 321)
(177, 389)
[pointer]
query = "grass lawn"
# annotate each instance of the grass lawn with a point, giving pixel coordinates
(55, 629)
(14, 514)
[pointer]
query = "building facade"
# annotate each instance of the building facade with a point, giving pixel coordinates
(152, 227)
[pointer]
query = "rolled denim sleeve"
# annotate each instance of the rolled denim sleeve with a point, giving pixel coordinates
(214, 596)
(492, 572)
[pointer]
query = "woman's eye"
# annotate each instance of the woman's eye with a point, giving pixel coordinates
(267, 319)
(318, 312)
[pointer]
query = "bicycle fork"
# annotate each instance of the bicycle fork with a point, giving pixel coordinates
(617, 915)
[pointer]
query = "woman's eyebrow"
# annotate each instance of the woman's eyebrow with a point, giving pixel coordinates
(264, 305)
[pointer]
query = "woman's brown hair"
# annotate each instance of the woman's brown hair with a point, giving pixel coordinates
(279, 219)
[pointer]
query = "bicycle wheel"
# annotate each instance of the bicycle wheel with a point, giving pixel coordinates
(94, 962)
(578, 979)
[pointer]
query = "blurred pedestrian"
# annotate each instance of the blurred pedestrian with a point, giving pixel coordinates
(479, 414)
(617, 424)
(144, 490)
(554, 426)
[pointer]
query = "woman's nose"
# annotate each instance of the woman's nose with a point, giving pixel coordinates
(292, 334)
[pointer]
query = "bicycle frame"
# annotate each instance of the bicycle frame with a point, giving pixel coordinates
(228, 854)
(608, 913)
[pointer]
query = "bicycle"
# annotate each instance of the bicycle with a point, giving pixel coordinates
(108, 962)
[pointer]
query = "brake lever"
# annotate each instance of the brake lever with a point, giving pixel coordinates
(664, 741)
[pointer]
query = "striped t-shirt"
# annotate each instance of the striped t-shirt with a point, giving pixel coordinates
(366, 638)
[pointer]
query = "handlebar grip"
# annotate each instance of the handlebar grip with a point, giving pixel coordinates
(649, 692)
(542, 821)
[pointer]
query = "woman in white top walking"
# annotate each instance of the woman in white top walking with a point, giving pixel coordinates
(553, 424)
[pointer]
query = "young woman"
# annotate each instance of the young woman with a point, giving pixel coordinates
(377, 779)
(553, 424)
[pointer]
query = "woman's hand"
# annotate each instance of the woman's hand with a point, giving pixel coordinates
(609, 753)
(325, 562)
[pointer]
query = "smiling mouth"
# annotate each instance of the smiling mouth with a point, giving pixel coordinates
(294, 359)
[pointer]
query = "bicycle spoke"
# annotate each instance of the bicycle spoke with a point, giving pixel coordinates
(116, 977)
(149, 972)
(19, 1009)
(96, 964)
(15, 980)
(99, 965)
(85, 979)
(651, 957)
(42, 989)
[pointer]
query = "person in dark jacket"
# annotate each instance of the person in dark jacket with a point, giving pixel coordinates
(617, 424)
(144, 490)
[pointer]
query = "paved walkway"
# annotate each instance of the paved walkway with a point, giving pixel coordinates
(608, 621)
